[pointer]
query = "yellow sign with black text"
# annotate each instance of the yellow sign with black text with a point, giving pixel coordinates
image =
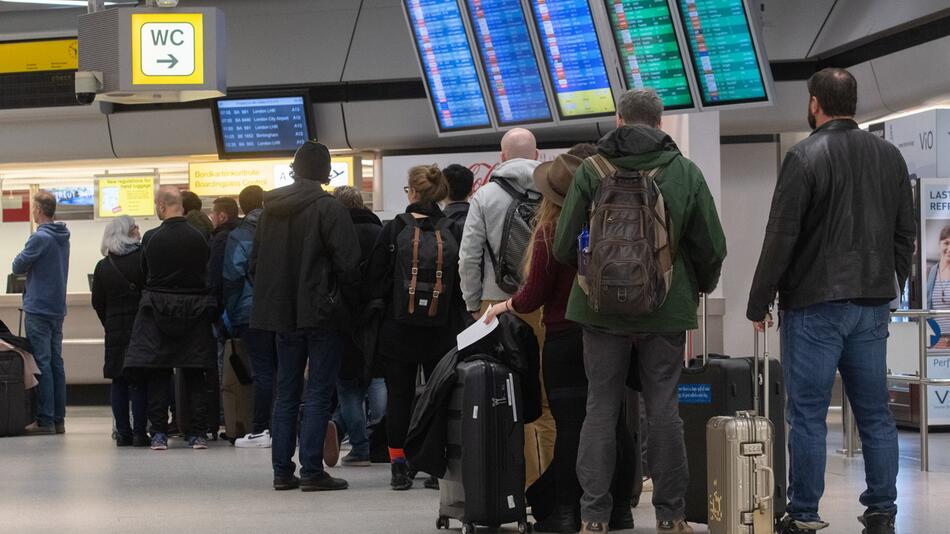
(39, 56)
(132, 195)
(168, 49)
(228, 178)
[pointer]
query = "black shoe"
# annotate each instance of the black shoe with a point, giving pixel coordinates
(323, 482)
(791, 526)
(621, 518)
(431, 483)
(879, 523)
(123, 440)
(563, 520)
(141, 440)
(286, 483)
(400, 480)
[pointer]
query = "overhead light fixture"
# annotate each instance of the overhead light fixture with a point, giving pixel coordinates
(60, 3)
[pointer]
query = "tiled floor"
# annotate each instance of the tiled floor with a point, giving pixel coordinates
(81, 483)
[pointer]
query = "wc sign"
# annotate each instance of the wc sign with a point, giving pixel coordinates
(167, 49)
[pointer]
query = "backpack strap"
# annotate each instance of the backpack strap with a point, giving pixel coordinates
(439, 264)
(515, 191)
(602, 165)
(132, 287)
(415, 270)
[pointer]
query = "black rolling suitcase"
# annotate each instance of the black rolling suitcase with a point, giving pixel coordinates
(484, 480)
(723, 386)
(14, 399)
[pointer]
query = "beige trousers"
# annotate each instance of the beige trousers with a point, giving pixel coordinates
(539, 435)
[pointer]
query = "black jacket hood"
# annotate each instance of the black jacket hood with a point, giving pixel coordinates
(291, 199)
(364, 216)
(633, 140)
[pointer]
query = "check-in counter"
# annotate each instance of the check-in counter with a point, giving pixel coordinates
(83, 337)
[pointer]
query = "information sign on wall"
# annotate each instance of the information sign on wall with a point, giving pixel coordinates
(39, 56)
(228, 178)
(129, 194)
(168, 48)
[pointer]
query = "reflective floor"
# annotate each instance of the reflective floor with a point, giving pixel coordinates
(79, 483)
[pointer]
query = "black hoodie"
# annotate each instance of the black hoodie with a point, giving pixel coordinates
(305, 261)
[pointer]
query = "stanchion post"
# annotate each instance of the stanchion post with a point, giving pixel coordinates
(924, 398)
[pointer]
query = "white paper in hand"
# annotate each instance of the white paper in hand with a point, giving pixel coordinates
(477, 331)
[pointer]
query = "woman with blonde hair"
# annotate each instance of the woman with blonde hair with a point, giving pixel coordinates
(117, 283)
(414, 269)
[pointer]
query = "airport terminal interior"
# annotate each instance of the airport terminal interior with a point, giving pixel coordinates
(129, 108)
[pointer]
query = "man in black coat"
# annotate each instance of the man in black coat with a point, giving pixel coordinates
(305, 265)
(840, 230)
(173, 325)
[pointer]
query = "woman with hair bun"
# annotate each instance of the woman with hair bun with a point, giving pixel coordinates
(414, 269)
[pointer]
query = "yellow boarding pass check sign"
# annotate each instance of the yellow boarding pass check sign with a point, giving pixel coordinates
(168, 49)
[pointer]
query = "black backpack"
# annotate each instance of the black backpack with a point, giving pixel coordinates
(425, 277)
(516, 235)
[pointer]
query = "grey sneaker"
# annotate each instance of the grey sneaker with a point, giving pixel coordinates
(36, 429)
(674, 527)
(593, 527)
(350, 460)
(792, 526)
(198, 442)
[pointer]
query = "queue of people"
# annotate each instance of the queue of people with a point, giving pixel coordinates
(303, 273)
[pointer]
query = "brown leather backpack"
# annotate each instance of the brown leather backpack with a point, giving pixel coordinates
(630, 253)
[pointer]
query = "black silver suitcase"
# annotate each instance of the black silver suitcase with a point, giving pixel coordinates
(741, 476)
(14, 399)
(484, 480)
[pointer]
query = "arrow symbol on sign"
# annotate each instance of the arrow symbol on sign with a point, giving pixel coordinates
(172, 61)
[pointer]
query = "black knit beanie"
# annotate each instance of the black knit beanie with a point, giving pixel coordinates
(312, 162)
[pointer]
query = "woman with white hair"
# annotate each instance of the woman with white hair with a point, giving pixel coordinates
(116, 288)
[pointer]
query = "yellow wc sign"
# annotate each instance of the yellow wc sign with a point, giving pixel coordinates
(167, 48)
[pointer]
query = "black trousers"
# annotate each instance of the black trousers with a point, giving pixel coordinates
(565, 383)
(158, 400)
(400, 395)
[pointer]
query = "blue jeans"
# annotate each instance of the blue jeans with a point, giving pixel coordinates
(355, 401)
(46, 335)
(817, 341)
(122, 392)
(321, 348)
(262, 349)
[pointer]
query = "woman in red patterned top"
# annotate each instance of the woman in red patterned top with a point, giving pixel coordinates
(548, 284)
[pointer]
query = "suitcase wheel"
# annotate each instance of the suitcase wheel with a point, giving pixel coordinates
(442, 522)
(524, 526)
(469, 528)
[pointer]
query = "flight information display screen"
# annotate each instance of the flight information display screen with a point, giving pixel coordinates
(722, 52)
(574, 60)
(508, 59)
(448, 64)
(253, 126)
(649, 52)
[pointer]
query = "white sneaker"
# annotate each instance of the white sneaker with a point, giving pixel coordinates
(254, 441)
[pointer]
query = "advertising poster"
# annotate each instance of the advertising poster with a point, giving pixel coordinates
(78, 195)
(228, 178)
(935, 266)
(132, 195)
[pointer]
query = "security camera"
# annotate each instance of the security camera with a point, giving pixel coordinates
(88, 83)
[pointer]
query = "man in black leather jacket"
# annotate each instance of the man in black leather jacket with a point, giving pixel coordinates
(840, 229)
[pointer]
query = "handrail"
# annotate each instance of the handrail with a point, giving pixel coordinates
(921, 378)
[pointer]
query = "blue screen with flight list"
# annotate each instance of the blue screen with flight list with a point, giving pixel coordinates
(509, 61)
(575, 62)
(263, 124)
(450, 73)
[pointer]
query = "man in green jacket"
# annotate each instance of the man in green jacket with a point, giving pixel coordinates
(658, 339)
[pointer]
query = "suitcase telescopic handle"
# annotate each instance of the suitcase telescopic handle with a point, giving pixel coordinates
(765, 369)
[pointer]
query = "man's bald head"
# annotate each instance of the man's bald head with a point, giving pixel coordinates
(168, 203)
(519, 143)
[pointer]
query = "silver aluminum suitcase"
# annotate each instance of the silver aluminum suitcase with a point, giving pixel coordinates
(740, 480)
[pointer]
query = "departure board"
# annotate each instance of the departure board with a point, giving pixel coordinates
(574, 60)
(448, 65)
(723, 52)
(253, 126)
(649, 51)
(509, 62)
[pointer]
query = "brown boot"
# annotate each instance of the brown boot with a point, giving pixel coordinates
(673, 527)
(593, 527)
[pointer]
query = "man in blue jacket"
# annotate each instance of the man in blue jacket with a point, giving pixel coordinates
(45, 262)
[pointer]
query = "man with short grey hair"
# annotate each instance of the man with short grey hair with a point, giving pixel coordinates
(656, 339)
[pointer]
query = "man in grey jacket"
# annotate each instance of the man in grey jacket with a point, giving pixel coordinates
(486, 219)
(483, 229)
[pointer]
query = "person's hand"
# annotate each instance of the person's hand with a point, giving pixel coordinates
(476, 315)
(760, 326)
(496, 310)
